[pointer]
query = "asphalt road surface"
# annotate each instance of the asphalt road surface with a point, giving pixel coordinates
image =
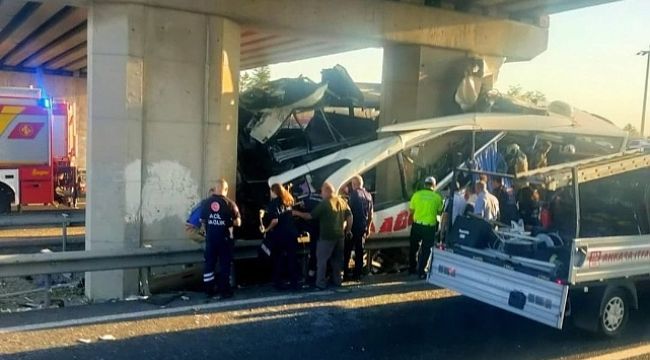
(390, 318)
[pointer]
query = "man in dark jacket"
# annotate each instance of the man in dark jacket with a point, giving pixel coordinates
(219, 214)
(508, 210)
(362, 210)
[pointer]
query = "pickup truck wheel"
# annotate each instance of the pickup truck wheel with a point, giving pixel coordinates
(615, 313)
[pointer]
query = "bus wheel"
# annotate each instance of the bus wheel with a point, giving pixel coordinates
(615, 312)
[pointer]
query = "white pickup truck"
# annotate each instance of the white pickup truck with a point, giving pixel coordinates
(591, 273)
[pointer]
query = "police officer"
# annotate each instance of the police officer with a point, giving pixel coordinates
(219, 215)
(426, 205)
(283, 235)
(362, 211)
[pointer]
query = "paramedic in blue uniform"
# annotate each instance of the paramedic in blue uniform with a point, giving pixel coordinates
(219, 215)
(362, 211)
(193, 226)
(284, 237)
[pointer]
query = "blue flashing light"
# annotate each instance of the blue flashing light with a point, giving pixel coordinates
(46, 103)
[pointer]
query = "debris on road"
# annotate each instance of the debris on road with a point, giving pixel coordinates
(84, 341)
(107, 337)
(135, 298)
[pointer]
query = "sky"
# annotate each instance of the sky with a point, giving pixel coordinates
(590, 62)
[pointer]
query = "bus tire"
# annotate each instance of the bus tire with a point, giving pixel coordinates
(615, 312)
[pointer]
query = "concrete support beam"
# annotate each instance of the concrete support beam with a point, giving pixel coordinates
(372, 23)
(417, 83)
(222, 102)
(163, 86)
(420, 83)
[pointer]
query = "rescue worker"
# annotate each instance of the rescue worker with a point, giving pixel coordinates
(487, 205)
(530, 207)
(76, 192)
(508, 211)
(361, 207)
(425, 205)
(539, 157)
(459, 203)
(219, 215)
(516, 159)
(335, 222)
(283, 235)
(313, 228)
(193, 227)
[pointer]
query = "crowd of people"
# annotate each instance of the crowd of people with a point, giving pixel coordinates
(338, 226)
(341, 227)
(498, 203)
(495, 200)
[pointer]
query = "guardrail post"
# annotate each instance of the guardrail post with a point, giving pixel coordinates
(48, 287)
(371, 254)
(65, 230)
(144, 280)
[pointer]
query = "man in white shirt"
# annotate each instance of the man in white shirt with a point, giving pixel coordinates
(459, 203)
(487, 205)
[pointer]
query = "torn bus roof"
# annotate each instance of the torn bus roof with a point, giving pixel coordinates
(271, 119)
(578, 122)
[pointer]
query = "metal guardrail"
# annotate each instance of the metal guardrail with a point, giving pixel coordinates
(99, 260)
(43, 218)
(40, 242)
(96, 260)
(35, 219)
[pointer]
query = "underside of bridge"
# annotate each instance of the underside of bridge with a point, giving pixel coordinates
(52, 36)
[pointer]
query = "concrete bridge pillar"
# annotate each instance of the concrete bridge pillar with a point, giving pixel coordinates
(163, 89)
(420, 82)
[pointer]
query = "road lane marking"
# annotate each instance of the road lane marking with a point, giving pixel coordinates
(624, 354)
(187, 309)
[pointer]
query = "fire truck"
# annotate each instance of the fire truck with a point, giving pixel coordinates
(36, 159)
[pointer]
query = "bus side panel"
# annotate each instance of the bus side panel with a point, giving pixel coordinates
(534, 298)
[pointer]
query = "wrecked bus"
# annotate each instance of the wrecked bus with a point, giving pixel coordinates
(394, 165)
(595, 256)
(290, 122)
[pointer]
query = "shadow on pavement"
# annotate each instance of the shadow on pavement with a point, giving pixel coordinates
(346, 327)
